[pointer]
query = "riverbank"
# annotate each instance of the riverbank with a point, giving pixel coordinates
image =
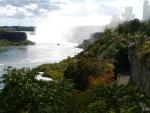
(35, 55)
(6, 43)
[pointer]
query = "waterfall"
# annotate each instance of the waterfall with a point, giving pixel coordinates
(63, 25)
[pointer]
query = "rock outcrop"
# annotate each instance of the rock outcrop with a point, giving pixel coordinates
(13, 36)
(140, 74)
(94, 36)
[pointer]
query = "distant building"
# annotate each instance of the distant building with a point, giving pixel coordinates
(115, 21)
(146, 10)
(128, 14)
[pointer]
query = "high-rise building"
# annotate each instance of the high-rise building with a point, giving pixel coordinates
(146, 10)
(128, 14)
(115, 21)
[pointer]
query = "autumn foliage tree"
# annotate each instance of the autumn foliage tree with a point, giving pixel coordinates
(105, 78)
(89, 71)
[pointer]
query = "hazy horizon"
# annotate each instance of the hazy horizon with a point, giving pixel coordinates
(33, 12)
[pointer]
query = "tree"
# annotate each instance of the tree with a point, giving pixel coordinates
(24, 94)
(118, 99)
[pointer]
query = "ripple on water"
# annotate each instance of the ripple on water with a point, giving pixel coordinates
(34, 55)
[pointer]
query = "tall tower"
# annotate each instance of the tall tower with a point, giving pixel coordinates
(146, 10)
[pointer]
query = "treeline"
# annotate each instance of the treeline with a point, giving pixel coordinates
(17, 28)
(85, 83)
(134, 26)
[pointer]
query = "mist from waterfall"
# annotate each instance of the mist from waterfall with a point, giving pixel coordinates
(61, 25)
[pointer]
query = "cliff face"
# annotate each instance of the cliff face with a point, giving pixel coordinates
(94, 36)
(13, 36)
(140, 74)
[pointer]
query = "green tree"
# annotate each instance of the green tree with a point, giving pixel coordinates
(118, 99)
(24, 94)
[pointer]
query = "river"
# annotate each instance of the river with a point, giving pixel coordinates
(34, 55)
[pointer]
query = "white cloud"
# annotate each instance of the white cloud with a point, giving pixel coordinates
(7, 10)
(14, 12)
(26, 7)
(79, 8)
(31, 7)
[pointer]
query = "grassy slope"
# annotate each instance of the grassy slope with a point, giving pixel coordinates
(9, 43)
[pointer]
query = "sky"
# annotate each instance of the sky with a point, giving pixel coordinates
(32, 12)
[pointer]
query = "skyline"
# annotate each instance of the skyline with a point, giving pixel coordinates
(31, 12)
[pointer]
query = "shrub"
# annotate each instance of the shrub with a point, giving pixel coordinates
(24, 94)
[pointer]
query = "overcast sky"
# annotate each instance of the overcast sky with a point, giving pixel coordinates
(31, 12)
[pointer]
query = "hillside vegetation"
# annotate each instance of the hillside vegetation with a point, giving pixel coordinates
(85, 83)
